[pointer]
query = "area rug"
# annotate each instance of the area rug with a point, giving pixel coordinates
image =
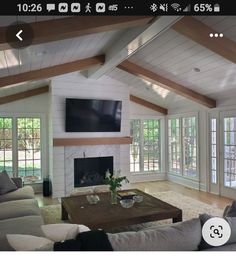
(191, 209)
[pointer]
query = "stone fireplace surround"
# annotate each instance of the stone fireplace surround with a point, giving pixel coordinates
(72, 152)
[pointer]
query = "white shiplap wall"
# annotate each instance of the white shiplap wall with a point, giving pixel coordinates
(75, 85)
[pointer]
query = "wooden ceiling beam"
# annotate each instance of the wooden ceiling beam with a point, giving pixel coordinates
(166, 83)
(52, 71)
(199, 32)
(23, 95)
(60, 29)
(148, 104)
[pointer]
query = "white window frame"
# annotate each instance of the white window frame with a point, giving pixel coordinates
(43, 131)
(161, 143)
(181, 116)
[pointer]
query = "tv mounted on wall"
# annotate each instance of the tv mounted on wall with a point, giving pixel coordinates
(93, 115)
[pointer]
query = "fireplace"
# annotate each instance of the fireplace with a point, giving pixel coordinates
(91, 171)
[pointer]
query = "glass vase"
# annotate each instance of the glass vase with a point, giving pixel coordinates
(114, 196)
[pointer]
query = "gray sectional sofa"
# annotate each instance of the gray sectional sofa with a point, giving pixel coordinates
(19, 214)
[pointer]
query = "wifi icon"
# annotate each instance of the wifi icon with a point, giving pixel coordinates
(176, 7)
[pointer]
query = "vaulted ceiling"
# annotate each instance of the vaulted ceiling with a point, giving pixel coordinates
(174, 49)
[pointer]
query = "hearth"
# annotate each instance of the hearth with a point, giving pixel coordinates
(91, 171)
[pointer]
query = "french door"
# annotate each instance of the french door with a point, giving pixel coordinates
(227, 166)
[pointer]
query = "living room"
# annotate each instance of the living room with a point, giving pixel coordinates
(174, 82)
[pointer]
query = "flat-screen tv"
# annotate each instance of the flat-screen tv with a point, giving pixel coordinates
(93, 115)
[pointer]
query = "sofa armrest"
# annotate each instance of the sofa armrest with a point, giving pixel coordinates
(18, 182)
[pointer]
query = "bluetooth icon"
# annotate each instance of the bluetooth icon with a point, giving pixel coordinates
(153, 7)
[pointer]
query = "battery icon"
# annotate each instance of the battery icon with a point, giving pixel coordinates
(216, 7)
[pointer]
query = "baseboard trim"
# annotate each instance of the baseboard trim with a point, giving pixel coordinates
(185, 182)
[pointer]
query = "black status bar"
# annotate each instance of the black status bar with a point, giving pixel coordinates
(119, 7)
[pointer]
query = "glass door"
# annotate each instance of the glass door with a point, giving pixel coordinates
(228, 155)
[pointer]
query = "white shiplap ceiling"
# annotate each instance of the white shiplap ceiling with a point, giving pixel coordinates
(171, 55)
(50, 54)
(175, 56)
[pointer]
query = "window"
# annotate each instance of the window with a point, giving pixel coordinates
(23, 135)
(174, 139)
(135, 146)
(29, 149)
(6, 149)
(190, 146)
(145, 149)
(182, 146)
(230, 152)
(213, 163)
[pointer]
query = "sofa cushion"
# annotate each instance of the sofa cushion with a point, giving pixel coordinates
(28, 242)
(26, 192)
(62, 231)
(6, 184)
(184, 236)
(19, 208)
(29, 225)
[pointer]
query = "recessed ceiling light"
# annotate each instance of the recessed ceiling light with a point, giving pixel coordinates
(197, 70)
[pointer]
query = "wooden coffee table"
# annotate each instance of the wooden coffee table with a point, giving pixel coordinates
(105, 215)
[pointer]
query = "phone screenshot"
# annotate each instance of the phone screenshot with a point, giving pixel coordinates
(118, 126)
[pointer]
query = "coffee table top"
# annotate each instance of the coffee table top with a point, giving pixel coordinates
(105, 215)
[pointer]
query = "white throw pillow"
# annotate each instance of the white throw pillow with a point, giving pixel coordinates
(61, 232)
(28, 242)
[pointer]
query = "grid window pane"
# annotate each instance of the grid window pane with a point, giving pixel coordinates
(6, 148)
(230, 152)
(213, 151)
(135, 146)
(29, 150)
(174, 145)
(145, 149)
(190, 146)
(151, 141)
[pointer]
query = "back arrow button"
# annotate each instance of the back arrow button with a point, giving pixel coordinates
(18, 35)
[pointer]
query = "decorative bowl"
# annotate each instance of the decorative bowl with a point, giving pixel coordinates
(93, 199)
(138, 198)
(127, 203)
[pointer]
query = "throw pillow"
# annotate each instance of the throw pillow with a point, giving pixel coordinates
(6, 184)
(226, 210)
(29, 243)
(231, 210)
(232, 222)
(61, 232)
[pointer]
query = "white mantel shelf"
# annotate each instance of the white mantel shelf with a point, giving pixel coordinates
(59, 142)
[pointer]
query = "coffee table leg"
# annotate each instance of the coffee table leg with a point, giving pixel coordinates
(178, 218)
(64, 214)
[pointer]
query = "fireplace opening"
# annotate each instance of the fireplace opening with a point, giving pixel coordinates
(91, 171)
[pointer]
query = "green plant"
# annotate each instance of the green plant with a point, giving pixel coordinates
(114, 181)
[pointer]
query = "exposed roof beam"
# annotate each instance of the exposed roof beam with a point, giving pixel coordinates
(199, 32)
(148, 104)
(52, 71)
(59, 29)
(130, 42)
(23, 95)
(166, 83)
